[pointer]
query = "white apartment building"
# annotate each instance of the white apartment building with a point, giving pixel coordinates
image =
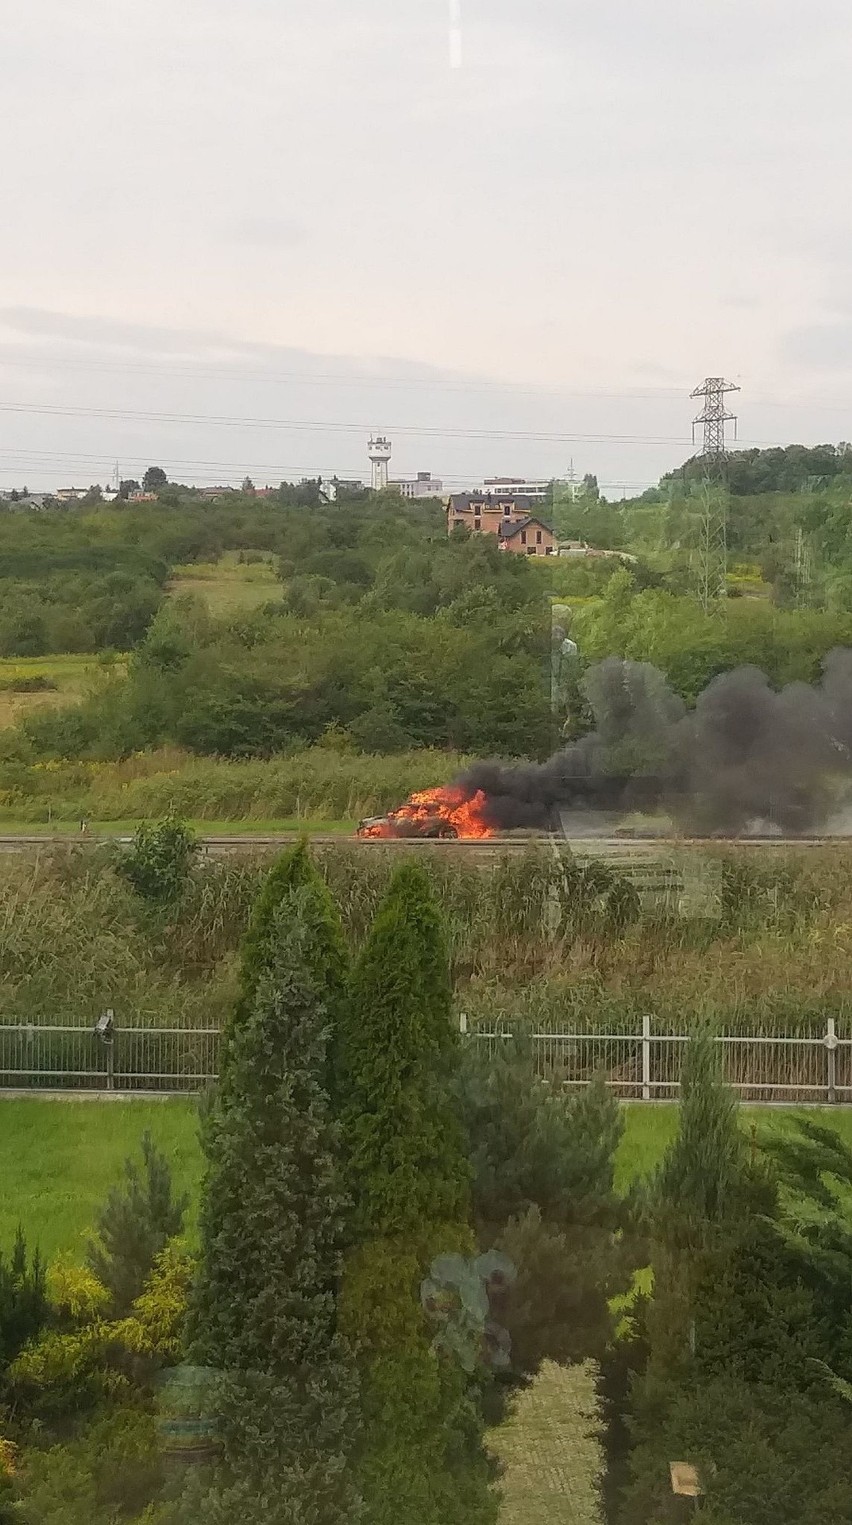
(424, 485)
(510, 487)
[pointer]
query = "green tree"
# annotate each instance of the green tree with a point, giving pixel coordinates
(158, 862)
(134, 1226)
(272, 1222)
(544, 1194)
(23, 1299)
(422, 1458)
(295, 870)
(745, 1317)
(154, 479)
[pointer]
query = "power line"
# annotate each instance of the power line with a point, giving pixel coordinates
(367, 379)
(200, 470)
(230, 421)
(285, 378)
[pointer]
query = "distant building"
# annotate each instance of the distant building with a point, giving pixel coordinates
(332, 487)
(22, 503)
(424, 485)
(379, 451)
(70, 494)
(510, 487)
(512, 519)
(528, 537)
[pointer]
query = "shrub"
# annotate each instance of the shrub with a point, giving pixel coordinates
(157, 865)
(134, 1226)
(23, 1299)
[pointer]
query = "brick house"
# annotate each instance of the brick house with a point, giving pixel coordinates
(512, 520)
(528, 537)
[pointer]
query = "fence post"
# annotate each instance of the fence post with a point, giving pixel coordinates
(646, 1058)
(463, 1022)
(831, 1058)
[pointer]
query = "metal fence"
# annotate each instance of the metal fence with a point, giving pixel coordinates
(640, 1066)
(646, 1066)
(107, 1058)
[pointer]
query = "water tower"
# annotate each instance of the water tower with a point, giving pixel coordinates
(379, 451)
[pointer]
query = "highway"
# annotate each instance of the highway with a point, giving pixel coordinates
(585, 846)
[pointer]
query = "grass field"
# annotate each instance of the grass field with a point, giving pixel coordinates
(71, 675)
(229, 584)
(58, 1158)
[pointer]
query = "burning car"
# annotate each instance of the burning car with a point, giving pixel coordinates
(448, 813)
(391, 826)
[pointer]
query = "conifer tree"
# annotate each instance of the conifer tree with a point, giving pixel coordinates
(23, 1299)
(265, 1305)
(544, 1193)
(422, 1458)
(294, 870)
(134, 1226)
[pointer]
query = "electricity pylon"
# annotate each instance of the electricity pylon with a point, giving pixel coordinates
(713, 531)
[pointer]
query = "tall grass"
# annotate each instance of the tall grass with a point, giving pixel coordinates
(530, 938)
(317, 783)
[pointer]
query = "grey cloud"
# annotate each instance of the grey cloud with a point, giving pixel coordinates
(824, 346)
(68, 332)
(267, 232)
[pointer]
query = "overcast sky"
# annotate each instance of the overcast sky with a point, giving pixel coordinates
(263, 210)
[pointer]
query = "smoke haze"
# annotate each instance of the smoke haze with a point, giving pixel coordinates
(746, 754)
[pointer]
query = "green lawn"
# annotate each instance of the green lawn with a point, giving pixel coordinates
(650, 1128)
(59, 1158)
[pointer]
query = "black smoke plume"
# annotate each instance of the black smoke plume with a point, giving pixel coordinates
(747, 755)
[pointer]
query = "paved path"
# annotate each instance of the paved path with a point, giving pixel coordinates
(551, 1451)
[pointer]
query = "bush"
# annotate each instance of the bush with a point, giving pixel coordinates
(134, 1226)
(158, 864)
(23, 1299)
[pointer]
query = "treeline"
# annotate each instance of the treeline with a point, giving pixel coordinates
(92, 579)
(672, 632)
(779, 469)
(385, 636)
(788, 517)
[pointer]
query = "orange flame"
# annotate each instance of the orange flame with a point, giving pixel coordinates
(463, 816)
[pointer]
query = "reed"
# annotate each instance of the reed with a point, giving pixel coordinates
(531, 938)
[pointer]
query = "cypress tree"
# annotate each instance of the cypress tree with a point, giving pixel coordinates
(294, 870)
(422, 1458)
(265, 1305)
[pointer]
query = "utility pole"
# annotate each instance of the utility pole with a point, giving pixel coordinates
(713, 535)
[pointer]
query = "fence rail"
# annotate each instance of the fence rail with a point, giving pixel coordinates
(646, 1066)
(640, 1066)
(107, 1058)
